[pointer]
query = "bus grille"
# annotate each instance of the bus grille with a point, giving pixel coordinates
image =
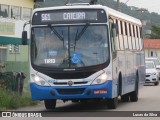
(66, 83)
(71, 91)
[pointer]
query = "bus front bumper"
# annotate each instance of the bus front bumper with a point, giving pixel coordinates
(71, 92)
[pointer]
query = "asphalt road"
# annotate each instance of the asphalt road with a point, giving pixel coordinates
(149, 102)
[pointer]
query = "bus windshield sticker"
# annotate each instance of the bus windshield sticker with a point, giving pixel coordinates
(75, 58)
(52, 53)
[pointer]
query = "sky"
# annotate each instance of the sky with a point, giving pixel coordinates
(151, 5)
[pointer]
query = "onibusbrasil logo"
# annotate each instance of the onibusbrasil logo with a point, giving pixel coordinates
(21, 114)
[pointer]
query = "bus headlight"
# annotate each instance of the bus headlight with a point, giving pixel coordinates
(101, 79)
(38, 80)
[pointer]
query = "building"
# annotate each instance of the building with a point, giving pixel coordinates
(13, 15)
(152, 47)
(18, 9)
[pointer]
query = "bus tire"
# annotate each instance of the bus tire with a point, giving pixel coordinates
(119, 84)
(112, 103)
(75, 101)
(134, 94)
(125, 98)
(50, 104)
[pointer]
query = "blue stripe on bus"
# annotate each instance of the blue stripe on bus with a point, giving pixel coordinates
(91, 91)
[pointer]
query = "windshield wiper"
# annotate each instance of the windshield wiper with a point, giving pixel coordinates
(56, 33)
(78, 36)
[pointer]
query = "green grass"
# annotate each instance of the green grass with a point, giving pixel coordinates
(10, 100)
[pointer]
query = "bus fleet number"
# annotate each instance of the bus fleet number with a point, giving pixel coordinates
(45, 17)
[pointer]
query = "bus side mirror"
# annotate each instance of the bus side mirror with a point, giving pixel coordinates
(24, 38)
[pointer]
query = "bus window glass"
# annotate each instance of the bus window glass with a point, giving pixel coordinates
(122, 27)
(140, 39)
(136, 37)
(126, 28)
(125, 35)
(121, 36)
(70, 46)
(117, 38)
(130, 31)
(129, 36)
(133, 37)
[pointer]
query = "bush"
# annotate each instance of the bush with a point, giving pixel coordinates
(10, 100)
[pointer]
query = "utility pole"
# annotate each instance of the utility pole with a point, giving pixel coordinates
(118, 5)
(144, 22)
(92, 2)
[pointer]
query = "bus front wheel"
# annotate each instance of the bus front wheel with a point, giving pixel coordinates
(50, 104)
(112, 103)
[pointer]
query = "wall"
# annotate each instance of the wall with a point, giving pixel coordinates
(156, 52)
(19, 57)
(18, 62)
(22, 3)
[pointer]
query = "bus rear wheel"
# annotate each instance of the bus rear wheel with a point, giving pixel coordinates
(112, 103)
(125, 98)
(134, 94)
(50, 104)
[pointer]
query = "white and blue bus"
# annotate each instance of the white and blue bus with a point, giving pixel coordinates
(83, 52)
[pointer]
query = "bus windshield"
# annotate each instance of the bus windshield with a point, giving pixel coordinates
(69, 46)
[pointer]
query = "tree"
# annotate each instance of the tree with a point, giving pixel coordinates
(155, 32)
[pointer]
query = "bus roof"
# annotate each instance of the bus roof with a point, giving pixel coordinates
(109, 11)
(123, 16)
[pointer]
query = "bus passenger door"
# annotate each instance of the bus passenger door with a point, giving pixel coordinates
(114, 60)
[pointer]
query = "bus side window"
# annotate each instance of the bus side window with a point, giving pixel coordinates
(125, 35)
(136, 37)
(140, 38)
(133, 36)
(113, 34)
(117, 37)
(121, 42)
(129, 36)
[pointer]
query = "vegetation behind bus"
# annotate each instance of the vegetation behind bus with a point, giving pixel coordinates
(10, 97)
(10, 100)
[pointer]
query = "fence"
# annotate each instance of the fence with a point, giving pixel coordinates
(16, 67)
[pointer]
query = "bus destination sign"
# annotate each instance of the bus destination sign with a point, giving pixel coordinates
(68, 16)
(65, 16)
